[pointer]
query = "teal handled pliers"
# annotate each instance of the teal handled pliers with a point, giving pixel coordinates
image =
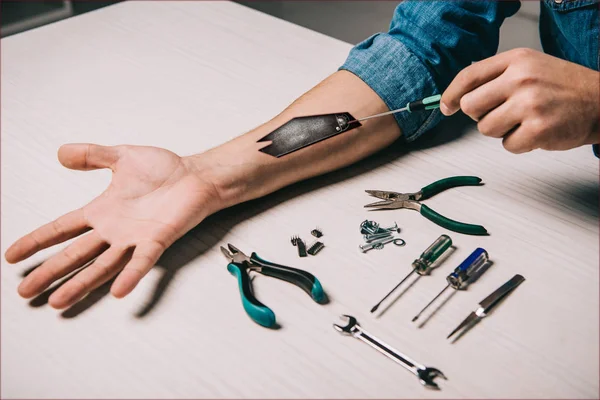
(241, 265)
(394, 200)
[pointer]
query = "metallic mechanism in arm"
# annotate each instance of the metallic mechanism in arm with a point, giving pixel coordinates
(301, 132)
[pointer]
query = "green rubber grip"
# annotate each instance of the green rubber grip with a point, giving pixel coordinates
(317, 292)
(428, 103)
(432, 102)
(257, 311)
(455, 226)
(303, 279)
(447, 183)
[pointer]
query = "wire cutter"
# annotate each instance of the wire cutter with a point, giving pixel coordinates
(394, 200)
(241, 265)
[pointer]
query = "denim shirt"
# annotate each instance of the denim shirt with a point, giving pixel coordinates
(429, 42)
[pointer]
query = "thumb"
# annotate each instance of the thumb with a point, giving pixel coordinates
(86, 156)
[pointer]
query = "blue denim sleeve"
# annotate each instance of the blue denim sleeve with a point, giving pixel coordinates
(428, 43)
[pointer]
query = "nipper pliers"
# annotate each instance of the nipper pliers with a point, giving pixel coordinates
(394, 200)
(241, 265)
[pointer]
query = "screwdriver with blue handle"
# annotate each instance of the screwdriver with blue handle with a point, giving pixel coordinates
(462, 275)
(428, 103)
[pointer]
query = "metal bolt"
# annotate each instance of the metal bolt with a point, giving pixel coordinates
(376, 236)
(370, 224)
(392, 228)
(369, 227)
(376, 245)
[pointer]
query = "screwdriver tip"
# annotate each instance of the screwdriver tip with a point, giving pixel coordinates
(374, 308)
(416, 317)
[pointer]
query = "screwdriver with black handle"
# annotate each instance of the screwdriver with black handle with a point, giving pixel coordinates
(460, 278)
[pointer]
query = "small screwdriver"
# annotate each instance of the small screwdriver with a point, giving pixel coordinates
(422, 265)
(460, 277)
(428, 103)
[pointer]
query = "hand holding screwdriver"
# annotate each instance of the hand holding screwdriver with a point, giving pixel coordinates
(460, 278)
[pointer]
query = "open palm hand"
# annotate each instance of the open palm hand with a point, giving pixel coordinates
(154, 198)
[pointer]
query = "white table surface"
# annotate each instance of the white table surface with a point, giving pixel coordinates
(190, 75)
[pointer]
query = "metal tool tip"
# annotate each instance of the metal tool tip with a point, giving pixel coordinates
(374, 308)
(233, 248)
(226, 252)
(416, 317)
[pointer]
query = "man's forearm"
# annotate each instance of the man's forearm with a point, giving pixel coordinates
(240, 172)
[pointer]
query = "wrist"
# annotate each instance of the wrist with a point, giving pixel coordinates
(228, 171)
(591, 107)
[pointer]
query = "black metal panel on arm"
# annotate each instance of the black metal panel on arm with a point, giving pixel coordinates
(300, 132)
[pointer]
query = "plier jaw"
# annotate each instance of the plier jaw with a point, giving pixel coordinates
(394, 196)
(236, 256)
(395, 200)
(394, 205)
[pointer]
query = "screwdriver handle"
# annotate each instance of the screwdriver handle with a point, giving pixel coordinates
(459, 278)
(437, 248)
(431, 254)
(428, 103)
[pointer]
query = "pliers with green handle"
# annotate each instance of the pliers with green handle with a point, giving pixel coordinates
(241, 265)
(394, 200)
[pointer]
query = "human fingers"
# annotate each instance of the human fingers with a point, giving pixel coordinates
(104, 268)
(144, 257)
(77, 254)
(521, 140)
(87, 156)
(482, 100)
(472, 77)
(62, 229)
(501, 120)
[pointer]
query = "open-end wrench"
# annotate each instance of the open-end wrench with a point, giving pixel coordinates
(425, 374)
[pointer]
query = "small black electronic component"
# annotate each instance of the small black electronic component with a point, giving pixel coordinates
(301, 248)
(315, 248)
(296, 241)
(317, 232)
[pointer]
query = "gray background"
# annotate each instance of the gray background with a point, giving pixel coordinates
(350, 21)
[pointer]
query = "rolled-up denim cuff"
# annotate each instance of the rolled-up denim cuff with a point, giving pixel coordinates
(398, 77)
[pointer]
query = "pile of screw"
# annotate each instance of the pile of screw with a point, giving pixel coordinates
(377, 237)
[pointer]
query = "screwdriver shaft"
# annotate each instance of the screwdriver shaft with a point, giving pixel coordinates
(391, 291)
(430, 303)
(382, 114)
(428, 103)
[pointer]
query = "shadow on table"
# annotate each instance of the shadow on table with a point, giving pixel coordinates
(210, 232)
(580, 197)
(408, 285)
